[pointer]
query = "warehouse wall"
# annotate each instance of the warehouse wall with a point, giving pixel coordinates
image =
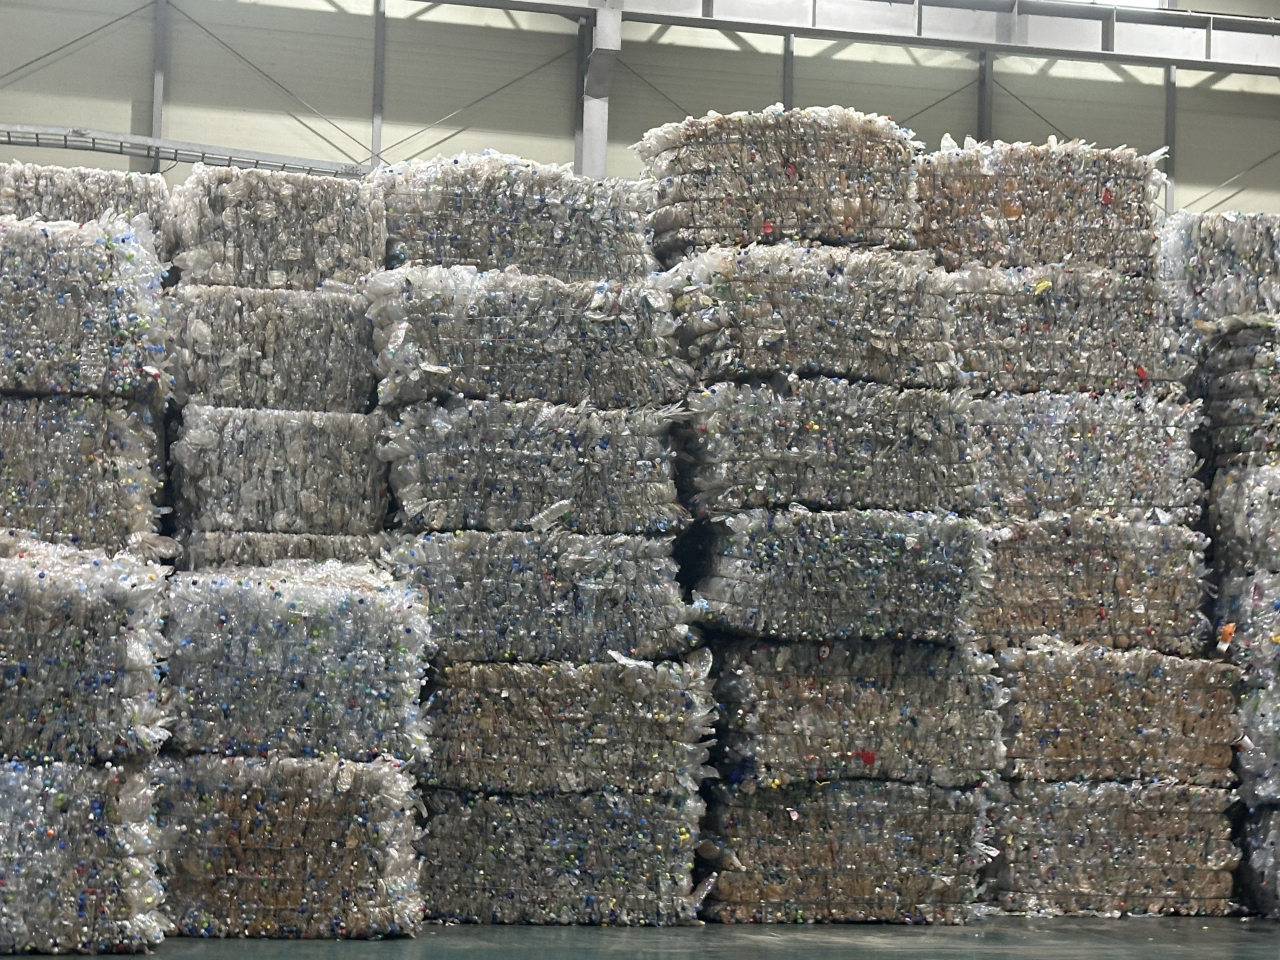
(442, 58)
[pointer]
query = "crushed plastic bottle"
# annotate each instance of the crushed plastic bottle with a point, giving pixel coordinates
(79, 469)
(492, 211)
(628, 725)
(279, 471)
(837, 710)
(533, 466)
(78, 853)
(81, 308)
(545, 597)
(845, 851)
(1084, 712)
(80, 652)
(621, 859)
(298, 659)
(833, 444)
(1023, 204)
(1109, 849)
(819, 173)
(273, 349)
(289, 848)
(272, 230)
(80, 194)
(797, 575)
(505, 335)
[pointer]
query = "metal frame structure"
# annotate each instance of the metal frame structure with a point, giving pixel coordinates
(987, 28)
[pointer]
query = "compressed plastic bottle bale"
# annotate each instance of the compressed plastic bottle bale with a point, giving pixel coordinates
(80, 645)
(268, 229)
(1068, 327)
(1241, 358)
(1089, 577)
(882, 709)
(1022, 204)
(866, 314)
(627, 725)
(1260, 874)
(1259, 750)
(288, 848)
(1084, 712)
(80, 194)
(203, 550)
(806, 576)
(1110, 849)
(537, 597)
(493, 210)
(298, 659)
(833, 444)
(78, 469)
(1217, 265)
(77, 860)
(620, 859)
(529, 466)
(274, 349)
(279, 471)
(1246, 624)
(1244, 518)
(851, 850)
(79, 308)
(820, 173)
(505, 335)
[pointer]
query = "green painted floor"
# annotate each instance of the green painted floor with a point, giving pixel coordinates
(1167, 939)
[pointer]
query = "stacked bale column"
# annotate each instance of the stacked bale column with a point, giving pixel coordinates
(287, 804)
(81, 707)
(531, 461)
(857, 715)
(1118, 736)
(1221, 271)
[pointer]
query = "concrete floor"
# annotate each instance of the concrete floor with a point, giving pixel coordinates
(1133, 939)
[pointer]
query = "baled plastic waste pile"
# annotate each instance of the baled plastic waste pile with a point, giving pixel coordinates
(80, 194)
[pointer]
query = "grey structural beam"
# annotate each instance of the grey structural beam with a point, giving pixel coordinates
(159, 63)
(166, 151)
(1138, 36)
(379, 77)
(606, 44)
(1170, 134)
(986, 95)
(788, 71)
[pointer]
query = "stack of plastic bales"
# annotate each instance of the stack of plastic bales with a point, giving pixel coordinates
(80, 194)
(271, 355)
(81, 710)
(80, 373)
(1222, 272)
(286, 806)
(532, 463)
(1031, 400)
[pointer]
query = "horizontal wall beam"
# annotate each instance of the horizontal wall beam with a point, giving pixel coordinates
(967, 27)
(165, 151)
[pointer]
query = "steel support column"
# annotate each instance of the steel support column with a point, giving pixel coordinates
(1170, 132)
(379, 78)
(986, 95)
(159, 61)
(788, 71)
(606, 44)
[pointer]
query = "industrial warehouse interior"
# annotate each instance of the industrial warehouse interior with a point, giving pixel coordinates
(647, 478)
